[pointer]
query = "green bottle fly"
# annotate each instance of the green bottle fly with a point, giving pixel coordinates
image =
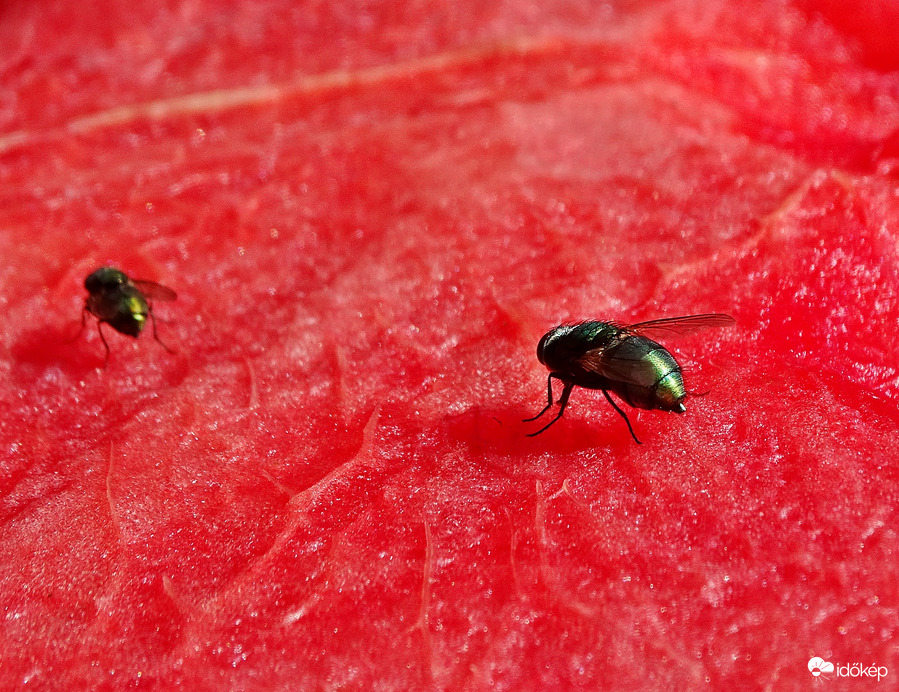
(122, 303)
(620, 359)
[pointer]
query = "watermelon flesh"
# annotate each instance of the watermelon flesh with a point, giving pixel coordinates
(370, 214)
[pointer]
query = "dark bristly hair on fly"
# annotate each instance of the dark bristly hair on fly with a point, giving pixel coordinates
(124, 304)
(618, 358)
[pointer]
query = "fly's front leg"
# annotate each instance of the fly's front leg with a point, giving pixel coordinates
(549, 399)
(105, 345)
(563, 402)
(84, 313)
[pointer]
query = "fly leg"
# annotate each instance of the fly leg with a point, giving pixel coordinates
(563, 402)
(549, 399)
(103, 339)
(622, 414)
(84, 313)
(155, 335)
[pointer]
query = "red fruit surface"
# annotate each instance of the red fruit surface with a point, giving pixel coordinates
(371, 212)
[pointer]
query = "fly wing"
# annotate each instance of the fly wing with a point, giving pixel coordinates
(684, 325)
(154, 291)
(619, 368)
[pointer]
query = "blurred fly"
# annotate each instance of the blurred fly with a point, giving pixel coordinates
(620, 359)
(124, 304)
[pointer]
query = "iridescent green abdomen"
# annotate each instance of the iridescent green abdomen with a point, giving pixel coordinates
(645, 374)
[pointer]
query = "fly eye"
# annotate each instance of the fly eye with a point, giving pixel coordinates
(541, 345)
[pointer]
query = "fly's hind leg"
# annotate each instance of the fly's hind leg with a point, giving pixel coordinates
(563, 402)
(622, 414)
(155, 335)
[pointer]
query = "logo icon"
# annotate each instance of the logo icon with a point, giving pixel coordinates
(818, 665)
